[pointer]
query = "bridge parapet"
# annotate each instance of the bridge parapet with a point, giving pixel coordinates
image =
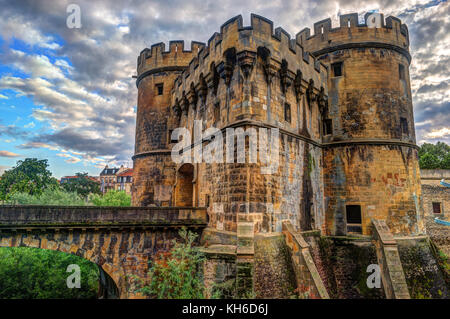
(36, 216)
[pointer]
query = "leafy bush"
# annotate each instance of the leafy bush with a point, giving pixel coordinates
(176, 274)
(48, 197)
(32, 273)
(111, 198)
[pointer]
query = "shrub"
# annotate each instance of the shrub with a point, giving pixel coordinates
(111, 198)
(54, 196)
(176, 274)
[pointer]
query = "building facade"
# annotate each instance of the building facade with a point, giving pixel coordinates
(333, 110)
(109, 178)
(125, 180)
(436, 192)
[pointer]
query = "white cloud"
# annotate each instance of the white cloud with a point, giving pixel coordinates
(443, 132)
(16, 27)
(36, 65)
(8, 154)
(29, 125)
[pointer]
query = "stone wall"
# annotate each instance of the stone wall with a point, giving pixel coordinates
(424, 275)
(433, 177)
(342, 263)
(383, 180)
(274, 276)
(439, 234)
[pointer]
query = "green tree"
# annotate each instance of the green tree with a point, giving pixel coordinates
(32, 273)
(429, 161)
(48, 197)
(111, 198)
(434, 156)
(176, 274)
(29, 176)
(83, 185)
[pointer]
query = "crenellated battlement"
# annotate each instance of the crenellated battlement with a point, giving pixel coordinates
(176, 58)
(245, 41)
(375, 31)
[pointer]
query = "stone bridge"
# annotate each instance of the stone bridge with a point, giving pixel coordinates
(120, 240)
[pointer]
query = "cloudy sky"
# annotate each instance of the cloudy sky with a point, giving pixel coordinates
(68, 94)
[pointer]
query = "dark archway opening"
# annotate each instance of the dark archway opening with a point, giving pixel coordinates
(107, 287)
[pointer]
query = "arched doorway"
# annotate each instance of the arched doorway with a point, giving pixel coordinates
(184, 189)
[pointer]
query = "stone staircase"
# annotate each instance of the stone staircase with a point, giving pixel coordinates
(392, 275)
(309, 282)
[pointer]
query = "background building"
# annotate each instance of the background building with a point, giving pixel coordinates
(108, 177)
(125, 180)
(436, 195)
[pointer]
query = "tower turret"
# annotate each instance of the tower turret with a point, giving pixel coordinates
(154, 171)
(370, 154)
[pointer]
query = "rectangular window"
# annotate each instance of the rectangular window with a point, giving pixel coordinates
(404, 125)
(217, 113)
(437, 208)
(401, 72)
(337, 69)
(160, 88)
(354, 219)
(327, 127)
(287, 112)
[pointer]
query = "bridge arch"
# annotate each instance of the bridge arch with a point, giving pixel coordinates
(119, 239)
(108, 275)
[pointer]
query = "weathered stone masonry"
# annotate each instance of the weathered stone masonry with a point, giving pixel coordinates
(346, 139)
(341, 100)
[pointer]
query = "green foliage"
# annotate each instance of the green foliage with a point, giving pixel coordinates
(111, 198)
(31, 273)
(30, 176)
(434, 156)
(48, 197)
(82, 185)
(224, 290)
(58, 196)
(176, 274)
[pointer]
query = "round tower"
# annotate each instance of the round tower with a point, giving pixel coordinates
(154, 171)
(370, 155)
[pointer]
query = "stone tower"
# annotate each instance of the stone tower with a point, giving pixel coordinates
(154, 171)
(340, 100)
(370, 155)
